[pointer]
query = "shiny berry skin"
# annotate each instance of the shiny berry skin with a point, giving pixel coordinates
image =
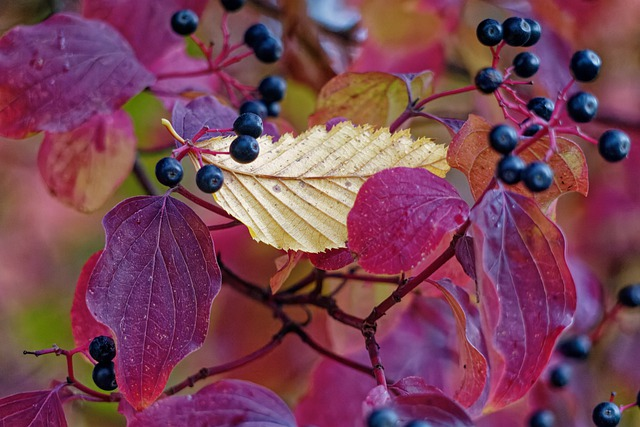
(102, 349)
(606, 414)
(526, 64)
(383, 417)
(542, 418)
(248, 124)
(516, 31)
(488, 80)
(577, 347)
(532, 130)
(272, 88)
(614, 145)
(273, 109)
(169, 171)
(585, 65)
(256, 34)
(184, 22)
(489, 32)
(232, 5)
(255, 107)
(537, 176)
(209, 178)
(503, 138)
(582, 107)
(629, 296)
(510, 169)
(541, 107)
(244, 149)
(104, 375)
(536, 32)
(268, 50)
(560, 375)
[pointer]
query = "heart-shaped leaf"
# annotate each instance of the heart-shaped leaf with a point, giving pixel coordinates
(41, 408)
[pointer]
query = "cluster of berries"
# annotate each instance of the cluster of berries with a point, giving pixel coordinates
(387, 417)
(102, 349)
(271, 90)
(542, 112)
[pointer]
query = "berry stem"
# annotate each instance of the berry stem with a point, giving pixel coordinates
(366, 277)
(607, 319)
(374, 355)
(202, 203)
(224, 226)
(142, 177)
(574, 130)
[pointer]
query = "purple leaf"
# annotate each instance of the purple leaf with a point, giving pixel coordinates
(41, 408)
(465, 255)
(227, 403)
(153, 286)
(399, 216)
(57, 74)
(204, 111)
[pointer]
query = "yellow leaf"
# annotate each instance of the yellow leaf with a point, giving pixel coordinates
(296, 195)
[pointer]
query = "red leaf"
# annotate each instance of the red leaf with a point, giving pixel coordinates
(203, 111)
(153, 286)
(527, 294)
(41, 408)
(227, 403)
(47, 70)
(85, 166)
(84, 326)
(399, 216)
(332, 259)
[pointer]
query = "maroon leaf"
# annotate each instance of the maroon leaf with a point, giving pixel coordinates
(41, 408)
(227, 403)
(399, 216)
(203, 111)
(85, 166)
(527, 294)
(48, 70)
(465, 255)
(153, 286)
(332, 259)
(84, 326)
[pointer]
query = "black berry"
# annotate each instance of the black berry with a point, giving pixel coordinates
(489, 32)
(582, 107)
(541, 107)
(510, 169)
(244, 149)
(638, 399)
(184, 22)
(516, 31)
(268, 50)
(209, 178)
(560, 375)
(537, 176)
(169, 171)
(585, 65)
(629, 296)
(526, 64)
(532, 130)
(272, 88)
(417, 423)
(536, 32)
(488, 80)
(256, 34)
(232, 5)
(577, 347)
(102, 349)
(384, 417)
(255, 107)
(273, 109)
(606, 414)
(503, 138)
(614, 145)
(104, 375)
(248, 124)
(542, 418)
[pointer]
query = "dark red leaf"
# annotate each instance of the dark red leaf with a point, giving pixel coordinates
(465, 255)
(227, 403)
(399, 216)
(57, 74)
(41, 408)
(84, 326)
(527, 294)
(203, 111)
(153, 286)
(332, 259)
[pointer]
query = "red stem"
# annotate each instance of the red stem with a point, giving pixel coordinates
(198, 201)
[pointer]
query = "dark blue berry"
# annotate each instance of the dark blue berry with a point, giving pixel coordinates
(537, 176)
(169, 171)
(255, 107)
(614, 145)
(606, 414)
(516, 31)
(184, 22)
(248, 124)
(489, 32)
(585, 65)
(232, 5)
(383, 417)
(532, 130)
(582, 107)
(510, 169)
(488, 80)
(244, 149)
(418, 423)
(503, 138)
(536, 32)
(102, 349)
(577, 347)
(268, 50)
(541, 107)
(104, 375)
(560, 375)
(542, 418)
(273, 109)
(629, 296)
(209, 178)
(526, 64)
(256, 34)
(272, 88)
